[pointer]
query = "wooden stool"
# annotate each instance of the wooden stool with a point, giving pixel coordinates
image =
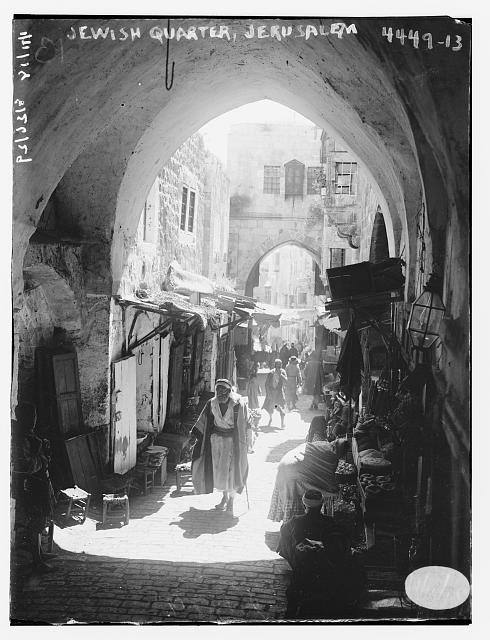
(115, 508)
(78, 500)
(162, 469)
(184, 468)
(148, 477)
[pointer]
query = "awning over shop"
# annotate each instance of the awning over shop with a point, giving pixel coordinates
(171, 304)
(366, 279)
(266, 314)
(329, 321)
(179, 280)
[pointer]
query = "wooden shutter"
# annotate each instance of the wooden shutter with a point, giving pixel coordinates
(67, 389)
(124, 414)
(175, 380)
(294, 178)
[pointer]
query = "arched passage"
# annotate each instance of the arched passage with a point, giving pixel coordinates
(119, 124)
(251, 279)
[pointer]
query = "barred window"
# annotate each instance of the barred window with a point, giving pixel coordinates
(345, 178)
(272, 179)
(312, 176)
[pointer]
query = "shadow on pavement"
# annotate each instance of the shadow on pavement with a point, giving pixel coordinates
(197, 522)
(276, 453)
(269, 429)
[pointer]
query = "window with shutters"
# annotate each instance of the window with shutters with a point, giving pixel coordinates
(183, 209)
(272, 179)
(345, 178)
(294, 178)
(188, 209)
(337, 258)
(312, 177)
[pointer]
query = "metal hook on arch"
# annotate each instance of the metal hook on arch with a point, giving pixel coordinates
(168, 85)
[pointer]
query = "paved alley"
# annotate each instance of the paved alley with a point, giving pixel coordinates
(178, 559)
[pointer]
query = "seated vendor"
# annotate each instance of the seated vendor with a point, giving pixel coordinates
(340, 417)
(327, 579)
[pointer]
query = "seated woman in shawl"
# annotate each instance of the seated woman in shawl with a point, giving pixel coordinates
(311, 465)
(222, 435)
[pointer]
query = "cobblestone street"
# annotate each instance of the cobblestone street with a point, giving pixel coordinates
(177, 560)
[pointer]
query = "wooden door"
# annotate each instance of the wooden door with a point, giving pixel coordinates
(175, 380)
(161, 357)
(67, 389)
(124, 414)
(85, 466)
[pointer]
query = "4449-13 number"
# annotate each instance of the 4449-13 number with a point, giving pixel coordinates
(453, 42)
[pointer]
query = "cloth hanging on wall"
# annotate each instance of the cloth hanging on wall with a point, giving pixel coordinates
(350, 363)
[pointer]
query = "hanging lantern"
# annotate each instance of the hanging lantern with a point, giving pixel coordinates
(426, 315)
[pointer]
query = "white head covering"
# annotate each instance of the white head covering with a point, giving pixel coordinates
(223, 382)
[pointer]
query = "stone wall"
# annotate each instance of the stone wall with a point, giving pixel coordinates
(216, 203)
(57, 311)
(159, 239)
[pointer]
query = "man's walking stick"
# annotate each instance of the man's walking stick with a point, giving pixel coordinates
(246, 493)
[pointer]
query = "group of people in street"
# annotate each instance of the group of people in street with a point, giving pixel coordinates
(325, 570)
(317, 549)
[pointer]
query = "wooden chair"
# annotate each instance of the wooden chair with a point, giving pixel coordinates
(78, 501)
(146, 476)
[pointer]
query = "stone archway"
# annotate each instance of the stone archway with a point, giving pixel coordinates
(103, 132)
(102, 123)
(251, 262)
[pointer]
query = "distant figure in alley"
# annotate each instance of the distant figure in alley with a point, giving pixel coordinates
(275, 385)
(222, 435)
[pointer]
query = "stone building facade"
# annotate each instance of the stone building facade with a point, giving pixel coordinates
(184, 218)
(295, 184)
